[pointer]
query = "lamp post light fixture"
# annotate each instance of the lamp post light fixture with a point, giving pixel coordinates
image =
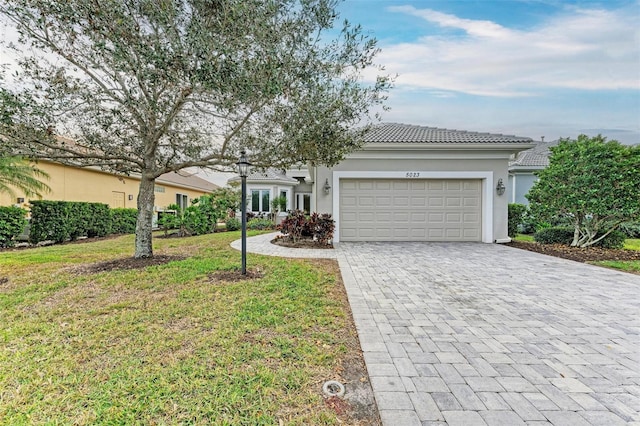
(243, 171)
(500, 188)
(326, 187)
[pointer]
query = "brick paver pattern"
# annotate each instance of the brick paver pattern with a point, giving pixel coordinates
(482, 334)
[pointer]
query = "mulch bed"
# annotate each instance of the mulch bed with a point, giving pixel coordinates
(126, 263)
(591, 254)
(307, 243)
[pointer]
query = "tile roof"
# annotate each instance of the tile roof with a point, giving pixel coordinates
(408, 133)
(537, 157)
(187, 180)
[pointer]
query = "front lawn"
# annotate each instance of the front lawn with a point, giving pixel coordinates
(171, 343)
(632, 244)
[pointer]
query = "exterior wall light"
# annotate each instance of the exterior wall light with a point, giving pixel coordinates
(243, 171)
(500, 188)
(326, 187)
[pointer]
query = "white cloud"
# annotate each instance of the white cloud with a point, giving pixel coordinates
(585, 49)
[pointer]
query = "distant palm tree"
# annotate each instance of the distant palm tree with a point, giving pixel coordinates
(17, 173)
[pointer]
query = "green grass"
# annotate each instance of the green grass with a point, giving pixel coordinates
(623, 265)
(166, 344)
(632, 244)
(523, 237)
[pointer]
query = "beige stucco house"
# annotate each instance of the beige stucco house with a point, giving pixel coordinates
(411, 183)
(90, 184)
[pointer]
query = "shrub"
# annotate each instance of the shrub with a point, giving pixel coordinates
(12, 223)
(99, 223)
(516, 214)
(260, 224)
(49, 221)
(318, 227)
(167, 221)
(233, 224)
(322, 227)
(631, 229)
(614, 240)
(294, 225)
(63, 220)
(554, 235)
(123, 221)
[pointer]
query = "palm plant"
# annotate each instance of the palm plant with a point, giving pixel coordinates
(18, 173)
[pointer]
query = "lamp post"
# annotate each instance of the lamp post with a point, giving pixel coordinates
(243, 171)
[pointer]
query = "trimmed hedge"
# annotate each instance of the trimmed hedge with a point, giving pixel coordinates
(560, 235)
(615, 240)
(516, 214)
(60, 221)
(12, 223)
(554, 236)
(123, 221)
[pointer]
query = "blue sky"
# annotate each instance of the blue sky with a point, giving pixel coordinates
(526, 67)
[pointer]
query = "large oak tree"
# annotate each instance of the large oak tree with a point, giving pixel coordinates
(155, 86)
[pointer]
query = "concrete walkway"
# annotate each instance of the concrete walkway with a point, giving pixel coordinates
(475, 334)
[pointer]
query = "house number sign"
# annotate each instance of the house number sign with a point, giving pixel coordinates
(413, 174)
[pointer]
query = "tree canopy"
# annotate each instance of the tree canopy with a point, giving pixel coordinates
(154, 86)
(17, 173)
(591, 182)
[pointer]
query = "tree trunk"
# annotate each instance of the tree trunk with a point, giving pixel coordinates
(144, 224)
(576, 235)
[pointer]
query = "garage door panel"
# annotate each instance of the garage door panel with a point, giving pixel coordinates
(471, 202)
(418, 185)
(402, 185)
(384, 201)
(419, 217)
(365, 185)
(366, 202)
(451, 217)
(401, 217)
(435, 217)
(419, 201)
(367, 217)
(410, 210)
(453, 202)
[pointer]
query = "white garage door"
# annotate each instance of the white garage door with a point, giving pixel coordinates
(410, 210)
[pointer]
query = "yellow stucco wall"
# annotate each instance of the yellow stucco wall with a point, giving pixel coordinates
(82, 184)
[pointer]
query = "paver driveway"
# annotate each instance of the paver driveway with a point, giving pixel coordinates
(479, 334)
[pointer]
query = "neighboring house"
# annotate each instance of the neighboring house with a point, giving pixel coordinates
(264, 186)
(409, 183)
(522, 170)
(91, 184)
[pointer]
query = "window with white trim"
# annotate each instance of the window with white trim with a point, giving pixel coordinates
(260, 200)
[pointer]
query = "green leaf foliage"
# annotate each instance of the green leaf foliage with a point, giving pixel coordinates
(12, 223)
(554, 235)
(60, 221)
(516, 215)
(17, 173)
(590, 182)
(151, 87)
(123, 221)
